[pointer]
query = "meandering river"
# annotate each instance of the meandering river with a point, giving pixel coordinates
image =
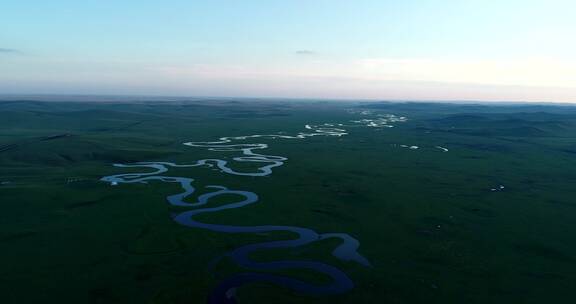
(347, 250)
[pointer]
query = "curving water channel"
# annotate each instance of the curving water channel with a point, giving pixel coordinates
(225, 291)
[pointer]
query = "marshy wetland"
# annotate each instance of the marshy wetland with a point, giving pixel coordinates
(286, 201)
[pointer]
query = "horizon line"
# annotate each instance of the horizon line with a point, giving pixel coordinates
(5, 97)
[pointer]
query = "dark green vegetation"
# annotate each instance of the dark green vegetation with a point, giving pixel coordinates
(427, 220)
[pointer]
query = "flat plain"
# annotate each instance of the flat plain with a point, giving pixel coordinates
(459, 203)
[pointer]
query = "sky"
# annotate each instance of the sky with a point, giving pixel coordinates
(492, 50)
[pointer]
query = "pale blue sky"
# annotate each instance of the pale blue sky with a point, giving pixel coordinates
(449, 49)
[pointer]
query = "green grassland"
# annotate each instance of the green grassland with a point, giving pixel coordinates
(427, 220)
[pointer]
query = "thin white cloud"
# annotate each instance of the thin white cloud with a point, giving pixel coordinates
(519, 72)
(540, 72)
(425, 79)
